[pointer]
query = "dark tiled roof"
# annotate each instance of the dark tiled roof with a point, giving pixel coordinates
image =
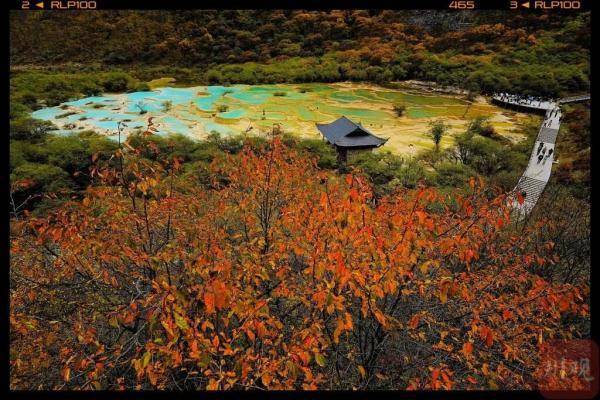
(345, 133)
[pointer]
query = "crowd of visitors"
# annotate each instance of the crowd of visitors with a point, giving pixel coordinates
(531, 101)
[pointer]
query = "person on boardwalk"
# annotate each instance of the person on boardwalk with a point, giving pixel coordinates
(540, 147)
(547, 156)
(540, 157)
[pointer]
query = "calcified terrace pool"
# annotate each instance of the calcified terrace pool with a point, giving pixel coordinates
(198, 111)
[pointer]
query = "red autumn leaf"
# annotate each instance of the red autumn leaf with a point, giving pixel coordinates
(487, 336)
(414, 321)
(209, 302)
(467, 348)
(520, 198)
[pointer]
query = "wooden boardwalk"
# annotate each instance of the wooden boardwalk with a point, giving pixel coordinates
(532, 183)
(574, 99)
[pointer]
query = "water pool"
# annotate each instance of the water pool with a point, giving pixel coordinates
(198, 111)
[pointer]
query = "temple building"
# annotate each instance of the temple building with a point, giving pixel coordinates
(349, 138)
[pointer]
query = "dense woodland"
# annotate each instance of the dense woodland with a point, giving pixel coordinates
(251, 262)
(537, 53)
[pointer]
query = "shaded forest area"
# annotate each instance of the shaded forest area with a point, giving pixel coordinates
(529, 53)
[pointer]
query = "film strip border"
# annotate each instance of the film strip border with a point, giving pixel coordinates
(451, 5)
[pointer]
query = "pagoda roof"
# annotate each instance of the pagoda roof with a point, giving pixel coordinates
(345, 133)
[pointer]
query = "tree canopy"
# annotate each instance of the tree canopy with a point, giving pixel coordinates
(277, 274)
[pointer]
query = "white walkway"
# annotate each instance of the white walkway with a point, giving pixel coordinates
(573, 99)
(537, 174)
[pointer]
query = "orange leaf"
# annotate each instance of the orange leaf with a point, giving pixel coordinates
(421, 216)
(362, 371)
(520, 198)
(380, 317)
(467, 348)
(304, 357)
(266, 379)
(209, 302)
(445, 286)
(414, 321)
(487, 336)
(66, 373)
(323, 200)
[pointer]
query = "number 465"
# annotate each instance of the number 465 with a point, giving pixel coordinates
(462, 5)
